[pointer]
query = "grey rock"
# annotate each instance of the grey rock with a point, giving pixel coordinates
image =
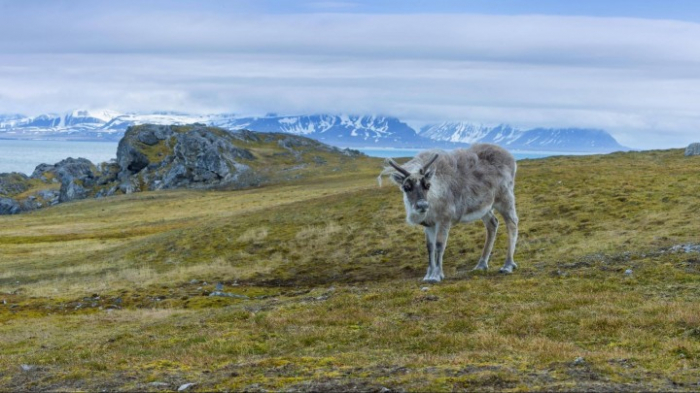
(77, 177)
(352, 152)
(228, 294)
(41, 170)
(196, 157)
(693, 150)
(185, 386)
(72, 190)
(27, 367)
(9, 206)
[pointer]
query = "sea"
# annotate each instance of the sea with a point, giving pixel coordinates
(24, 155)
(397, 153)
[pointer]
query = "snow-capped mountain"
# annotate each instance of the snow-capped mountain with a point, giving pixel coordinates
(536, 139)
(346, 131)
(85, 125)
(339, 130)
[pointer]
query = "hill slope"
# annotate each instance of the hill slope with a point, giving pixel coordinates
(320, 287)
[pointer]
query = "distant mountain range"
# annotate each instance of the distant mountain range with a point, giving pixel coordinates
(339, 130)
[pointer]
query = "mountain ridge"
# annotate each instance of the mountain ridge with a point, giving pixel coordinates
(356, 131)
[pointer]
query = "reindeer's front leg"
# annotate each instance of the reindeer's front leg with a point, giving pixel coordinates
(436, 241)
(430, 233)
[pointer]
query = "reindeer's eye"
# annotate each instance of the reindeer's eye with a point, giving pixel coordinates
(407, 186)
(426, 185)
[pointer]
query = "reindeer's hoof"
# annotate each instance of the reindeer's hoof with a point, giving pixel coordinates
(431, 280)
(480, 268)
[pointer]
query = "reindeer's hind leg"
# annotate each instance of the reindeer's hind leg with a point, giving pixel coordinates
(511, 218)
(491, 223)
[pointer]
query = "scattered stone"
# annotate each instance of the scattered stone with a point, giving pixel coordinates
(27, 367)
(228, 294)
(559, 273)
(687, 248)
(159, 384)
(579, 361)
(628, 272)
(219, 286)
(427, 298)
(425, 289)
(184, 387)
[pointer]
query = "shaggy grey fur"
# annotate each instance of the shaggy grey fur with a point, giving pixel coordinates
(459, 186)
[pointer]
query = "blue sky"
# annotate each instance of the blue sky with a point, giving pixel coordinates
(629, 67)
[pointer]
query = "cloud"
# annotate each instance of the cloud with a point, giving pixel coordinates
(635, 78)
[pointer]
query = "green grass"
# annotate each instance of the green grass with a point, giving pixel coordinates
(113, 293)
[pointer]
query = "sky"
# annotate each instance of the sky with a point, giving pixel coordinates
(629, 67)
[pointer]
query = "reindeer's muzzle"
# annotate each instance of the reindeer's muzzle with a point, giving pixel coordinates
(422, 206)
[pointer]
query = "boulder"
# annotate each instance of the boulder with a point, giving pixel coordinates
(693, 150)
(77, 177)
(9, 206)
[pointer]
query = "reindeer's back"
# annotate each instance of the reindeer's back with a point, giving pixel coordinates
(495, 156)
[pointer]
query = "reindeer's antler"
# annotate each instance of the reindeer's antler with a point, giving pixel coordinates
(432, 160)
(398, 168)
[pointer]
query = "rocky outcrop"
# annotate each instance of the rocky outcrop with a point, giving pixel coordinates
(155, 157)
(693, 150)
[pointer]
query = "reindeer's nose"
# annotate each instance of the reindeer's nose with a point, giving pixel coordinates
(422, 205)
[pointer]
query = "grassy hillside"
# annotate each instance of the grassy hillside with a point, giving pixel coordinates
(321, 284)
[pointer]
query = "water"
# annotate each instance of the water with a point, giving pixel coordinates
(395, 153)
(24, 155)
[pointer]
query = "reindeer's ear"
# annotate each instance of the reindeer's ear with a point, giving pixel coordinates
(397, 178)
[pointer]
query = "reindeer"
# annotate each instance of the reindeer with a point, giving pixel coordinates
(441, 189)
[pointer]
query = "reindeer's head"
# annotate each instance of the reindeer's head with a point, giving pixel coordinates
(415, 188)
